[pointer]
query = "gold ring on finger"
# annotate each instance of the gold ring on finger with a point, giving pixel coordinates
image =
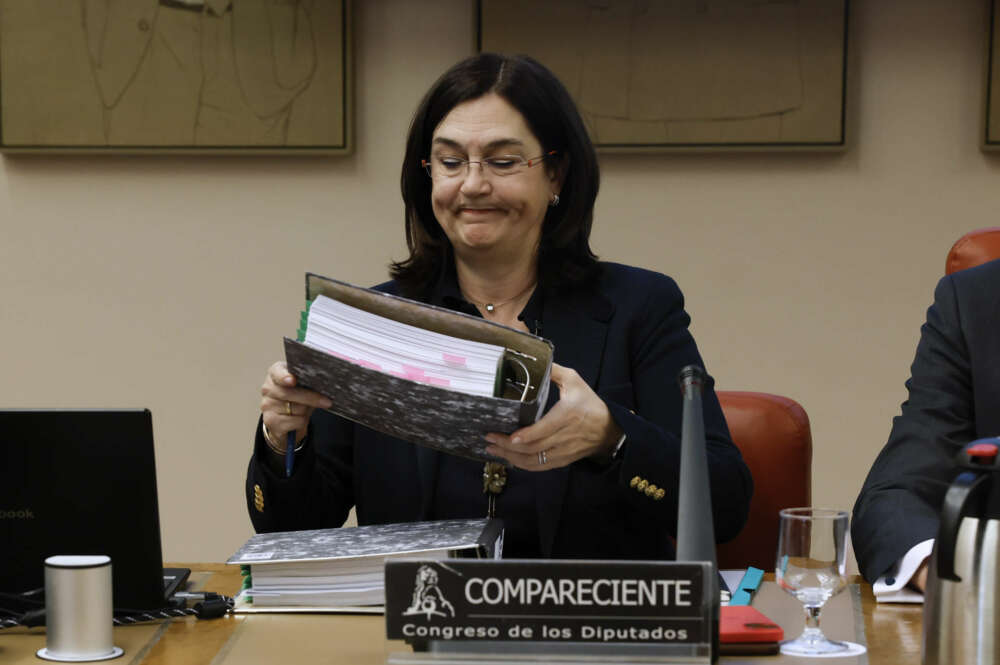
(288, 408)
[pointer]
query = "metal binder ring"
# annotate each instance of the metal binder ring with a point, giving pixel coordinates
(527, 378)
(288, 408)
(543, 458)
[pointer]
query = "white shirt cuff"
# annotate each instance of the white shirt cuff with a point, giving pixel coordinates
(891, 587)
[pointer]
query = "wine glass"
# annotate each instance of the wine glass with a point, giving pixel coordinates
(811, 566)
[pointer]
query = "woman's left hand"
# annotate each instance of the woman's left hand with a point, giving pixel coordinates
(578, 426)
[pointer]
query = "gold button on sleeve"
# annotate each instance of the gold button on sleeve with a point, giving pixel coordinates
(258, 498)
(659, 495)
(643, 484)
(635, 481)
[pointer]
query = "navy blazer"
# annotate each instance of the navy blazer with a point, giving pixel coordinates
(627, 338)
(954, 398)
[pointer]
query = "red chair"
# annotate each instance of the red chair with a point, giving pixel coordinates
(773, 434)
(972, 249)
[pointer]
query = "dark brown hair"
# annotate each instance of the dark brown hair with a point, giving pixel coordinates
(565, 258)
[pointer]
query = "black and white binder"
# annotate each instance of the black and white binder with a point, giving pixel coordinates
(343, 570)
(424, 410)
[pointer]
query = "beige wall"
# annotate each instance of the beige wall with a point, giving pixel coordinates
(168, 282)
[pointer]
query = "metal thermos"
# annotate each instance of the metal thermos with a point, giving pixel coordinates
(961, 622)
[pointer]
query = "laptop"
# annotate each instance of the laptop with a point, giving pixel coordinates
(82, 482)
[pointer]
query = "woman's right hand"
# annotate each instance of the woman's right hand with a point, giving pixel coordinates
(285, 407)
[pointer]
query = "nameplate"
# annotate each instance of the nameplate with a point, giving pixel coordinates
(548, 601)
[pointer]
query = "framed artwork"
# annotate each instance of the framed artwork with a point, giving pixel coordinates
(991, 130)
(651, 75)
(189, 76)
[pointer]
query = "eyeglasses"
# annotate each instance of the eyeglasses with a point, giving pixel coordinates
(447, 167)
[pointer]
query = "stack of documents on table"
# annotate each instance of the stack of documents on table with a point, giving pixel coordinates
(402, 350)
(342, 570)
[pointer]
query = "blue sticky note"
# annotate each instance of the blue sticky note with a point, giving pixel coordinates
(747, 587)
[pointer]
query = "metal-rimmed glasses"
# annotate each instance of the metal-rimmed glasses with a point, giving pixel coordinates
(447, 167)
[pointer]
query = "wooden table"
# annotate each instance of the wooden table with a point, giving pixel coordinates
(893, 634)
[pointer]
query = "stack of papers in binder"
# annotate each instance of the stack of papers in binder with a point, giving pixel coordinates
(421, 373)
(402, 350)
(342, 570)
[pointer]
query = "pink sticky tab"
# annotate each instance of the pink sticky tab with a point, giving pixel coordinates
(370, 365)
(453, 359)
(434, 381)
(413, 371)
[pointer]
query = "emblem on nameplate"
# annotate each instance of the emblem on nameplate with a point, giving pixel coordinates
(428, 599)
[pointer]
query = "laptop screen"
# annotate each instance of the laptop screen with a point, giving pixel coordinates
(80, 482)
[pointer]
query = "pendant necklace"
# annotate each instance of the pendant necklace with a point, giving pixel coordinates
(491, 307)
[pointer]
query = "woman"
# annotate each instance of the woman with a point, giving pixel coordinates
(499, 183)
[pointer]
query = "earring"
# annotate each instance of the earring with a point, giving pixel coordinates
(555, 201)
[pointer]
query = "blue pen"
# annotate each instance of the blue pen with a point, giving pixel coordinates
(290, 454)
(747, 587)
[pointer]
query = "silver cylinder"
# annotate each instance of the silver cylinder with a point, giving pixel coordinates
(962, 619)
(78, 609)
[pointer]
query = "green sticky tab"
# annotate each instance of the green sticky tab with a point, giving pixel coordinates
(304, 321)
(303, 326)
(247, 581)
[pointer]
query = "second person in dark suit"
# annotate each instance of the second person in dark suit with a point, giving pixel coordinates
(954, 398)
